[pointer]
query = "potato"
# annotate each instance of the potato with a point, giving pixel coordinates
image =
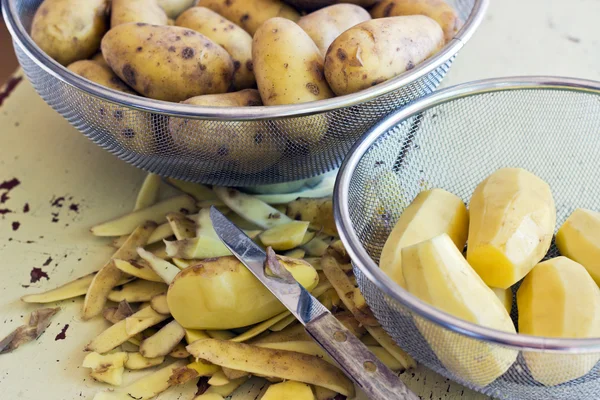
(249, 149)
(505, 296)
(69, 30)
(99, 58)
(378, 50)
(559, 299)
(512, 221)
(325, 25)
(167, 62)
(438, 10)
(311, 5)
(175, 7)
(579, 239)
(134, 127)
(430, 214)
(436, 272)
(223, 294)
(287, 64)
(228, 35)
(250, 14)
(145, 11)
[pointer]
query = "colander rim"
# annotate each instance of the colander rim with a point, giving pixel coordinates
(370, 269)
(21, 37)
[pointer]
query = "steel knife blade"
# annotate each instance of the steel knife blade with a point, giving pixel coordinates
(352, 356)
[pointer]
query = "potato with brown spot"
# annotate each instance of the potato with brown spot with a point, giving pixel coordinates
(325, 25)
(312, 5)
(289, 70)
(226, 34)
(250, 149)
(250, 14)
(69, 30)
(134, 127)
(380, 49)
(167, 62)
(438, 10)
(146, 11)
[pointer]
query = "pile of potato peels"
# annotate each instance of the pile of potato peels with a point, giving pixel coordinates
(179, 303)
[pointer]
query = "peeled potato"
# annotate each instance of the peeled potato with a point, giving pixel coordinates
(559, 299)
(579, 239)
(223, 294)
(436, 272)
(512, 221)
(430, 214)
(505, 296)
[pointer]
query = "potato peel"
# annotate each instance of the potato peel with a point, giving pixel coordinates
(39, 320)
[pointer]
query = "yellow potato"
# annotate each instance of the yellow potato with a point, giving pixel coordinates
(69, 30)
(226, 34)
(223, 294)
(146, 11)
(430, 214)
(559, 299)
(380, 49)
(505, 296)
(512, 221)
(133, 129)
(175, 7)
(287, 64)
(311, 5)
(250, 14)
(436, 272)
(167, 62)
(579, 239)
(325, 25)
(438, 10)
(249, 149)
(99, 58)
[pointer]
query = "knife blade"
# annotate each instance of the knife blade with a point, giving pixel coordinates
(351, 355)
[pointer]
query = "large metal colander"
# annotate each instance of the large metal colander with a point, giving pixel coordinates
(453, 139)
(226, 146)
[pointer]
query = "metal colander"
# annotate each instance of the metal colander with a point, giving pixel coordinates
(453, 139)
(225, 146)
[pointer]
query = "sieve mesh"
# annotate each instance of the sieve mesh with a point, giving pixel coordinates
(234, 152)
(453, 142)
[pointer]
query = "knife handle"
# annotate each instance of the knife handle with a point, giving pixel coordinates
(354, 358)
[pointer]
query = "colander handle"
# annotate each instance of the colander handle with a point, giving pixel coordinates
(354, 358)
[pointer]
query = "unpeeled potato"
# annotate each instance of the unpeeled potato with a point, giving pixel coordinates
(225, 33)
(167, 62)
(222, 293)
(69, 30)
(146, 11)
(438, 10)
(325, 25)
(249, 149)
(250, 14)
(380, 49)
(133, 129)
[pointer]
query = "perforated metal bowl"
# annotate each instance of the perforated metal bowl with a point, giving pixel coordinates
(453, 139)
(230, 146)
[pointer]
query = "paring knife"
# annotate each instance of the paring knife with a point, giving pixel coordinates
(354, 358)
